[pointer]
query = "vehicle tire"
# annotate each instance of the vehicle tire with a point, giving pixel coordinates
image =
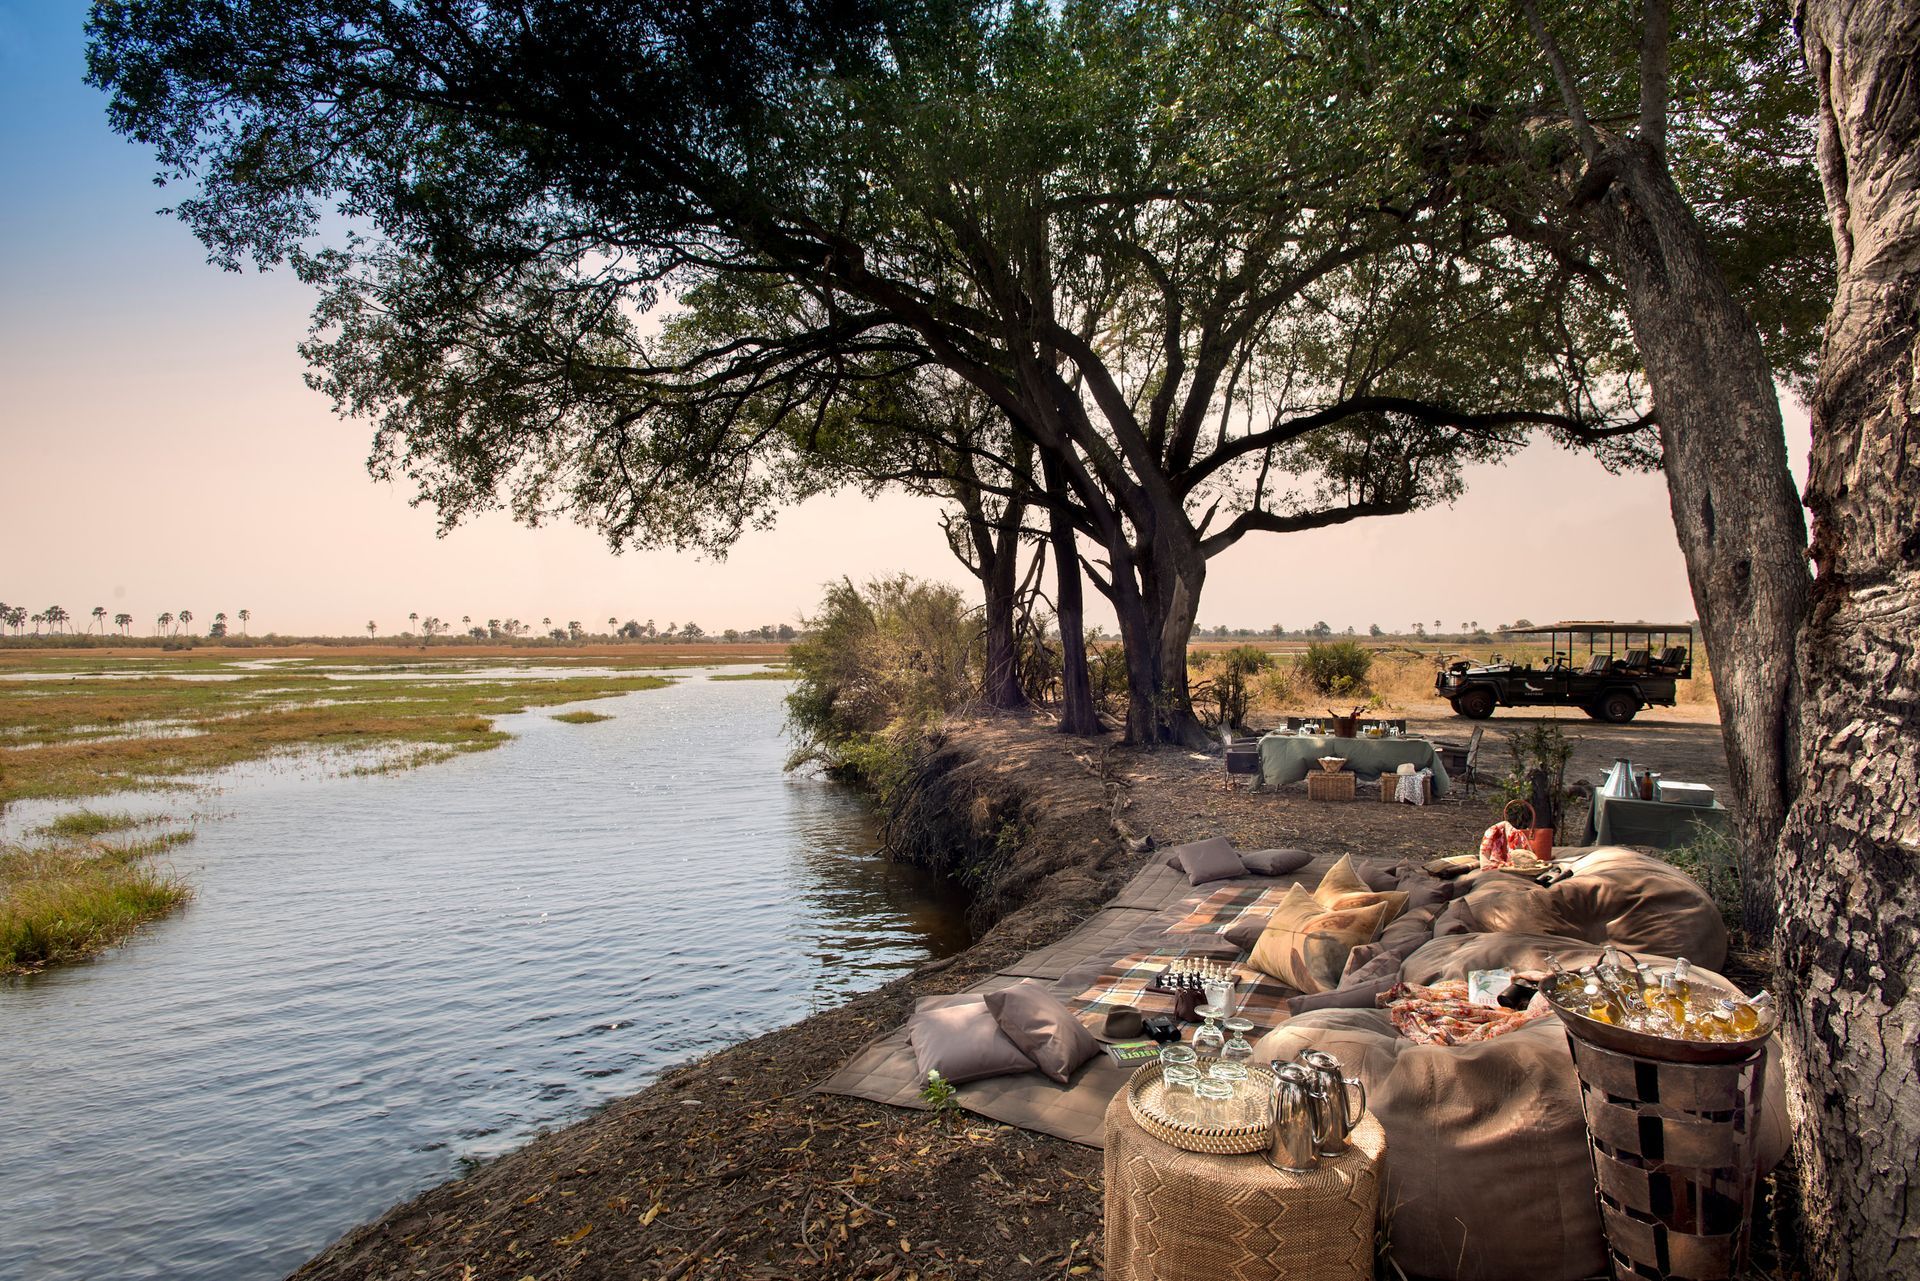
(1619, 707)
(1474, 704)
(1593, 711)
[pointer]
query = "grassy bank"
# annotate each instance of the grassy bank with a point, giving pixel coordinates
(72, 896)
(580, 718)
(123, 724)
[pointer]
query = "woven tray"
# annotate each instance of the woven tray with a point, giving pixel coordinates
(1145, 1095)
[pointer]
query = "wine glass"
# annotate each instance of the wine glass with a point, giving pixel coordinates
(1208, 1040)
(1238, 1050)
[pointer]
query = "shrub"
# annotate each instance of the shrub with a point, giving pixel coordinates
(1336, 667)
(896, 653)
(1227, 690)
(1712, 859)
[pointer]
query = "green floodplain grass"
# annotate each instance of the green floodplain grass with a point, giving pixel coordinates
(77, 730)
(581, 717)
(777, 674)
(64, 901)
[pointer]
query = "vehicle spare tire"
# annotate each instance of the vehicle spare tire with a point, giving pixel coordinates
(1619, 707)
(1475, 704)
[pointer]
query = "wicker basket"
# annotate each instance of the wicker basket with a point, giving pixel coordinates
(1146, 1094)
(1390, 784)
(1323, 786)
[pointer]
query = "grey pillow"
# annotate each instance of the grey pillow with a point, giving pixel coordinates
(1246, 931)
(1210, 860)
(958, 1038)
(1044, 1029)
(1275, 862)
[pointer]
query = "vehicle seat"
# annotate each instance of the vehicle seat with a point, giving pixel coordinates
(1673, 656)
(1636, 658)
(1597, 665)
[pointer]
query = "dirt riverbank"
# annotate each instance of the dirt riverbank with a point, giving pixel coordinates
(729, 1167)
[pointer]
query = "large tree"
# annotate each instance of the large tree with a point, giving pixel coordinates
(1849, 859)
(1210, 278)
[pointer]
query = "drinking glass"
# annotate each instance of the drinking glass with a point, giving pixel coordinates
(1215, 1101)
(1208, 1040)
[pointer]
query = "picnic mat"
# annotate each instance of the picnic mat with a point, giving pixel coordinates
(1128, 981)
(1217, 912)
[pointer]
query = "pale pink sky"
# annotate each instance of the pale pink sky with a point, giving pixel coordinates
(158, 450)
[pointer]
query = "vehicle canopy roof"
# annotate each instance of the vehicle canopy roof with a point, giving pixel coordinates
(1597, 626)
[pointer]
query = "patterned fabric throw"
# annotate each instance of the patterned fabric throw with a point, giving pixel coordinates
(1128, 981)
(1217, 912)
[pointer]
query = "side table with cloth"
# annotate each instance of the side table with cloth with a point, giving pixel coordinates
(1287, 758)
(1187, 1216)
(1620, 820)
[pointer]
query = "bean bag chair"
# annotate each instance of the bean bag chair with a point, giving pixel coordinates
(1488, 1176)
(1634, 901)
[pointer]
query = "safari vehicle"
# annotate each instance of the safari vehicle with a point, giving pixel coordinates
(1622, 669)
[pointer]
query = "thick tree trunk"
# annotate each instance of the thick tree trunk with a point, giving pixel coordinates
(1849, 860)
(1078, 715)
(1001, 685)
(1734, 509)
(1174, 577)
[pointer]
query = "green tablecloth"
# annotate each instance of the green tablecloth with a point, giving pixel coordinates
(1286, 758)
(1615, 820)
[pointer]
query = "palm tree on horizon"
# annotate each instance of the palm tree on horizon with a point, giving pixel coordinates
(123, 622)
(165, 621)
(413, 619)
(370, 629)
(100, 618)
(243, 616)
(185, 619)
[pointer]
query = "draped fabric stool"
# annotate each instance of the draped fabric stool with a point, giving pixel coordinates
(1186, 1216)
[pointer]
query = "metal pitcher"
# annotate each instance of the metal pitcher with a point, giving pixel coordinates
(1619, 782)
(1332, 1094)
(1296, 1131)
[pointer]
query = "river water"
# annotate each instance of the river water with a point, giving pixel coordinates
(383, 975)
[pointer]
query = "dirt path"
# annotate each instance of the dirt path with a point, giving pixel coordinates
(730, 1168)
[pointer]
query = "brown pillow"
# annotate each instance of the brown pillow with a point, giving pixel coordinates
(1045, 1030)
(1342, 887)
(1305, 946)
(1210, 860)
(1247, 929)
(1275, 862)
(958, 1038)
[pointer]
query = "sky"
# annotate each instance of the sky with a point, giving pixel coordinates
(159, 450)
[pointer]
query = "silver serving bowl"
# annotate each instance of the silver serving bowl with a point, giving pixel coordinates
(1646, 1045)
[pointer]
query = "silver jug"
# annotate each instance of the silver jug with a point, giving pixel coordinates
(1333, 1095)
(1619, 783)
(1295, 1132)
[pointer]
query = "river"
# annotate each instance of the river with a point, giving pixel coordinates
(383, 976)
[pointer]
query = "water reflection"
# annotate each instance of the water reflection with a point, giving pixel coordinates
(382, 975)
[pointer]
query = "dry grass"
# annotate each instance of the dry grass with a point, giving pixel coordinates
(65, 901)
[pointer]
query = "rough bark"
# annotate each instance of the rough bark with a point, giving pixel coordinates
(1078, 715)
(992, 552)
(1849, 860)
(1739, 523)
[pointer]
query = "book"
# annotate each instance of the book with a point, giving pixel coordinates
(1134, 1053)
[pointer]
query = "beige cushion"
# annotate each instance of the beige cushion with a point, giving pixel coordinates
(958, 1037)
(1343, 887)
(1305, 945)
(1044, 1029)
(1614, 896)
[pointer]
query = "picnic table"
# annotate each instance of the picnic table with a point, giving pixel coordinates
(1664, 825)
(1287, 758)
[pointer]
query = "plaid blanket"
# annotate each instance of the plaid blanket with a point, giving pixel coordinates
(1217, 912)
(1128, 981)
